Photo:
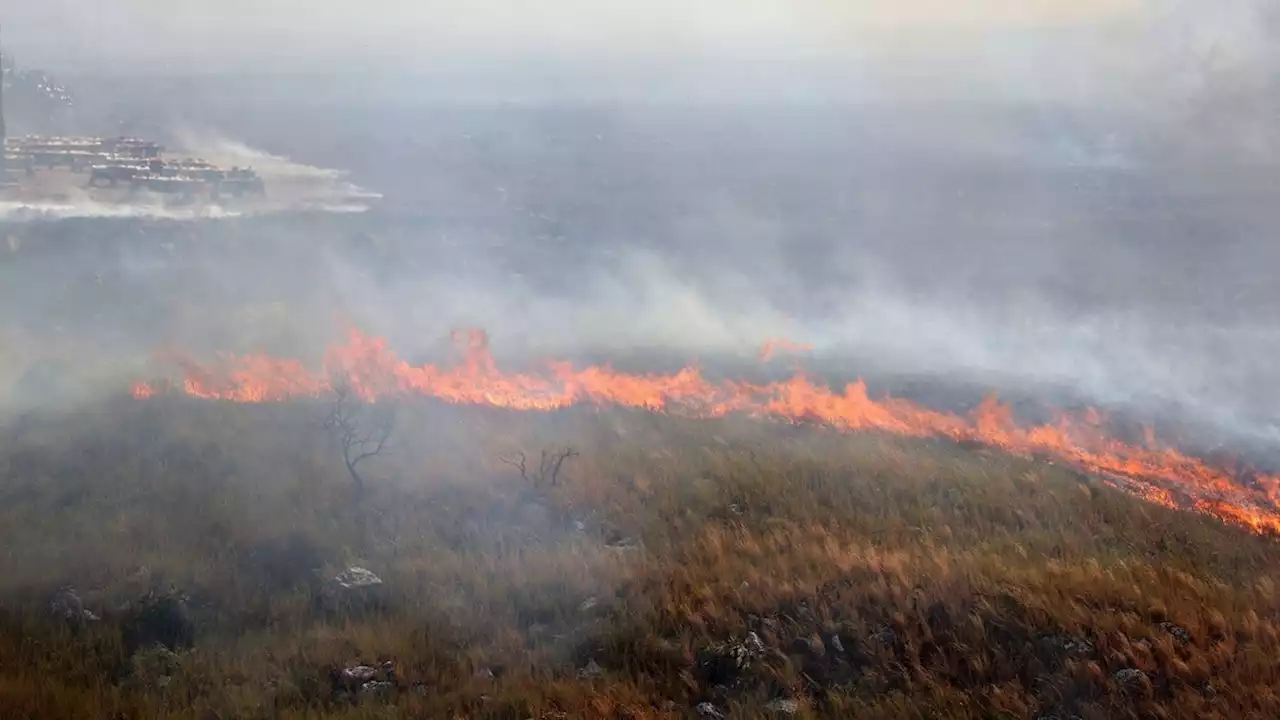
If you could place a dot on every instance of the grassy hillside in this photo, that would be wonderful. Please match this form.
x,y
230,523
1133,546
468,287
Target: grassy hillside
x,y
672,568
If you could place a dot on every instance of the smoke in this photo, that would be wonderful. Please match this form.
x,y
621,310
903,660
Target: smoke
x,y
208,36
1058,194
210,144
1067,200
292,187
84,207
157,207
640,304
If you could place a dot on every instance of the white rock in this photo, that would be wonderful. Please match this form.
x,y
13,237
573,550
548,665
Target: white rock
x,y
376,688
1129,675
67,605
591,671
783,706
357,577
359,674
707,710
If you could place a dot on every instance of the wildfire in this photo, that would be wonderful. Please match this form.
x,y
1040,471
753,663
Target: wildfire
x,y
1152,471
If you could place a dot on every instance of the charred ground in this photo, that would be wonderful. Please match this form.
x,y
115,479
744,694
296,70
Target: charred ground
x,y
763,569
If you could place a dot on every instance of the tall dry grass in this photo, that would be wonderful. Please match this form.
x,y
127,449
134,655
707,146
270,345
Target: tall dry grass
x,y
883,577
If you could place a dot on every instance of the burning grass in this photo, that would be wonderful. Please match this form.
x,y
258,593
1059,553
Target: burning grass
x,y
1150,469
673,562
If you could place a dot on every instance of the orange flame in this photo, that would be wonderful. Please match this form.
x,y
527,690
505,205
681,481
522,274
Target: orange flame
x,y
1159,474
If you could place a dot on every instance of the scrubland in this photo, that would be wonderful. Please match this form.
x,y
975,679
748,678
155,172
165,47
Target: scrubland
x,y
671,568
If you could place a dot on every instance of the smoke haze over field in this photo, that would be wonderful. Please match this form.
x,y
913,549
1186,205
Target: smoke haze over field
x,y
1074,194
857,327
199,32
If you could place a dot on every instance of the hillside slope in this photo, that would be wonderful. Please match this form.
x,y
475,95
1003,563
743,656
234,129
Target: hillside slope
x,y
671,568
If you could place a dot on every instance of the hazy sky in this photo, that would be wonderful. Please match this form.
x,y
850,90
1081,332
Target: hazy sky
x,y
417,32
1149,55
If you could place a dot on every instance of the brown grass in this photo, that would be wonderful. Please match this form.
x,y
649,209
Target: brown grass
x,y
885,578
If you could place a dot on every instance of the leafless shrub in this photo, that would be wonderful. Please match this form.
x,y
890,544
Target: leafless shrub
x,y
362,430
547,473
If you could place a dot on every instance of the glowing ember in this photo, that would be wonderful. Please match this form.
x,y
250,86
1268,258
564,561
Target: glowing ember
x,y
1156,473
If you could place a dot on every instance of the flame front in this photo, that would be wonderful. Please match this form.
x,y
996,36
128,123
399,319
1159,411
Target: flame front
x,y
1156,473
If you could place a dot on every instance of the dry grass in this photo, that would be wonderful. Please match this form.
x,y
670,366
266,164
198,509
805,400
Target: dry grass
x,y
885,578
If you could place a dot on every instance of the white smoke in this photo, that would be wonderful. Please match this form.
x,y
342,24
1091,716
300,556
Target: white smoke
x,y
291,187
281,173
16,211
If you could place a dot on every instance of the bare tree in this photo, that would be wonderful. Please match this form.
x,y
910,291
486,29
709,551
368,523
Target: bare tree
x,y
360,435
547,473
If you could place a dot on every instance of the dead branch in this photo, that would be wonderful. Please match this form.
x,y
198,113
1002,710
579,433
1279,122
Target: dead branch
x,y
549,463
361,436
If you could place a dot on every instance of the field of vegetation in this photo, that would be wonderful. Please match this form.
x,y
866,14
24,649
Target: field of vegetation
x,y
176,558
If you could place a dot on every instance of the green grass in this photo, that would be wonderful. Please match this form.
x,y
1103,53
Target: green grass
x,y
953,579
